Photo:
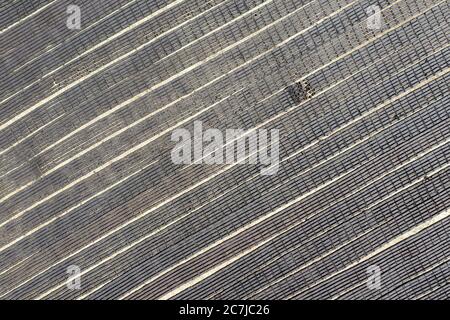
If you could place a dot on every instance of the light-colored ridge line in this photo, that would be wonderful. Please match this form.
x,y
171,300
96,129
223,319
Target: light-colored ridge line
x,y
263,4
30,135
223,170
233,234
84,296
259,220
80,32
40,103
374,38
96,71
27,17
216,79
338,129
350,147
108,163
391,243
159,229
67,211
121,105
343,198
93,72
15,265
156,86
383,199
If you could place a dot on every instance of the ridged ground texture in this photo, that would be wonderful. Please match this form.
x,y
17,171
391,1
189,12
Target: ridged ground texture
x,y
86,176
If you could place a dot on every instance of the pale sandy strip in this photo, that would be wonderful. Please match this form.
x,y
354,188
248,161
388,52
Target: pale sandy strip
x,y
114,61
361,283
197,253
105,165
55,47
253,223
303,149
96,71
117,229
402,94
340,81
109,112
30,135
392,194
372,181
15,265
293,108
362,45
402,237
220,28
176,196
65,212
181,98
139,121
84,296
207,274
315,142
322,138
424,294
224,264
377,108
120,33
16,190
80,32
345,197
26,112
231,235
120,227
27,17
8,245
18,92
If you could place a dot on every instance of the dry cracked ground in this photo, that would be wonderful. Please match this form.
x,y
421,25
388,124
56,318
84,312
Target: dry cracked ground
x,y
92,205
